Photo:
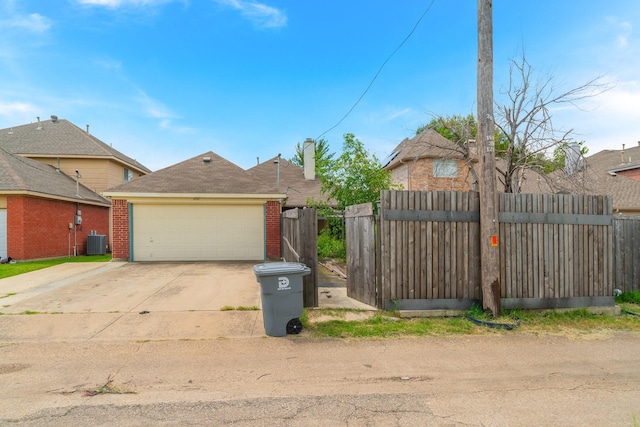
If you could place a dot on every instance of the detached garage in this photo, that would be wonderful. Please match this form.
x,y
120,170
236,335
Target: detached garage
x,y
203,209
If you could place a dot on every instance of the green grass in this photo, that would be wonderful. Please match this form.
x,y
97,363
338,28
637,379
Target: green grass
x,y
9,270
240,308
333,323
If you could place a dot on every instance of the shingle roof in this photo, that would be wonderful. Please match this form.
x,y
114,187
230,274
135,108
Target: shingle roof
x,y
59,138
22,175
427,144
594,178
195,175
292,181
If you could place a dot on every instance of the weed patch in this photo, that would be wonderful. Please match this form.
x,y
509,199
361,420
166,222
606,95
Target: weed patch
x,y
108,388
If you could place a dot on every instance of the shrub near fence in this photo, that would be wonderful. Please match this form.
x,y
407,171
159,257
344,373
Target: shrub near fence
x,y
555,250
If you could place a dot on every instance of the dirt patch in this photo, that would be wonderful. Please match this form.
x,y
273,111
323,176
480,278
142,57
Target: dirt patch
x,y
8,368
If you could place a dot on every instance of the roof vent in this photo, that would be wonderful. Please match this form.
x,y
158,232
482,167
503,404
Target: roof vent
x,y
39,124
54,118
206,159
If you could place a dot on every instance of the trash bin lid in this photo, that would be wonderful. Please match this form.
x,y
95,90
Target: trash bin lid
x,y
276,268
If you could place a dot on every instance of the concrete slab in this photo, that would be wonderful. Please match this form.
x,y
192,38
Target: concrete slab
x,y
87,302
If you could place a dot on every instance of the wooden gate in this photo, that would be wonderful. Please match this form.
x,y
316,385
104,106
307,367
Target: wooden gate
x,y
300,244
627,253
360,224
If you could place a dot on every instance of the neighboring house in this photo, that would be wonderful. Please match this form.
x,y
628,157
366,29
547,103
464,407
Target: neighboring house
x,y
75,152
44,213
202,209
608,172
429,162
65,146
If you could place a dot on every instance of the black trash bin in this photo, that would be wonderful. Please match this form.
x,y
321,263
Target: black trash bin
x,y
281,295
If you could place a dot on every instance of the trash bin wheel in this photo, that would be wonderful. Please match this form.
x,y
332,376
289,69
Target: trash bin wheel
x,y
294,326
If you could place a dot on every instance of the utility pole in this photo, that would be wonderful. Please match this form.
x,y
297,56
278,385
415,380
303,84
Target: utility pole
x,y
489,253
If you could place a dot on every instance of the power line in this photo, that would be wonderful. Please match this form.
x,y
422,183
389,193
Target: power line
x,y
379,70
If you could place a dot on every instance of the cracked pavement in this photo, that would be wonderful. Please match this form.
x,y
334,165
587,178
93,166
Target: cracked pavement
x,y
492,380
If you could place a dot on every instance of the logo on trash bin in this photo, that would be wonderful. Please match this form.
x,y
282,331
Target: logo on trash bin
x,y
283,283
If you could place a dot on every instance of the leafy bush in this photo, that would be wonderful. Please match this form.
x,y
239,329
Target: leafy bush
x,y
331,247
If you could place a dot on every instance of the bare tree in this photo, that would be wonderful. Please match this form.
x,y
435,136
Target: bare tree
x,y
525,121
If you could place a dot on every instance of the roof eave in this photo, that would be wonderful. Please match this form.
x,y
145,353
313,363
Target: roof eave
x,y
29,193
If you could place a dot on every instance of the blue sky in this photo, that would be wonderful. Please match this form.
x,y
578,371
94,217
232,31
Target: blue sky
x,y
165,80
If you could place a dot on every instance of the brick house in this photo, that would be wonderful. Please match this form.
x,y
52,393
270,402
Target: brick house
x,y
429,161
74,152
44,213
63,145
202,209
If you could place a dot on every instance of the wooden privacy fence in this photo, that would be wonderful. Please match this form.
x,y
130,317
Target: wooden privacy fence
x,y
627,253
555,250
300,244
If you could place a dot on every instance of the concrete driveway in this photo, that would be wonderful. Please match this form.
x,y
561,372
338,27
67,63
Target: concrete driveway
x,y
136,301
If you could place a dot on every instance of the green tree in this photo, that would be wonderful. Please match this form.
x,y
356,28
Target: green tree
x,y
455,128
558,159
356,176
323,157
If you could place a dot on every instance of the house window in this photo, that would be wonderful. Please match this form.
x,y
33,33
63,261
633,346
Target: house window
x,y
128,175
445,168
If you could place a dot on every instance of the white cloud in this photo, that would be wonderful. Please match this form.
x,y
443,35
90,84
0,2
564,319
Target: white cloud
x,y
622,30
157,110
608,120
34,22
121,3
262,15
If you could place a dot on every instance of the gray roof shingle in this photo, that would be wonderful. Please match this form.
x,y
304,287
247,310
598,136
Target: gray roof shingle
x,y
59,138
22,175
292,181
195,175
427,144
598,176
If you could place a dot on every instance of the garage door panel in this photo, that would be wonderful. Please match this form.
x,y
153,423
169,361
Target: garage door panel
x,y
198,233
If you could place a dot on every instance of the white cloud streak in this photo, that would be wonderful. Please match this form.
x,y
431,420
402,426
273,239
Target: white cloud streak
x,y
34,23
259,13
121,3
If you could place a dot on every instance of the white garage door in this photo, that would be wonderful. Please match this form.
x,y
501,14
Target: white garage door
x,y
3,233
198,233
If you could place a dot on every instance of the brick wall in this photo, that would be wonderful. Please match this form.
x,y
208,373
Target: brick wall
x,y
421,177
273,229
120,215
631,174
39,228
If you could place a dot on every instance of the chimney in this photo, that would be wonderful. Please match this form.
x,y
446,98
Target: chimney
x,y
309,159
472,146
39,124
622,154
572,158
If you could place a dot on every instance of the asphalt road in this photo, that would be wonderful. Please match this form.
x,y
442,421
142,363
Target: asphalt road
x,y
149,344
493,380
